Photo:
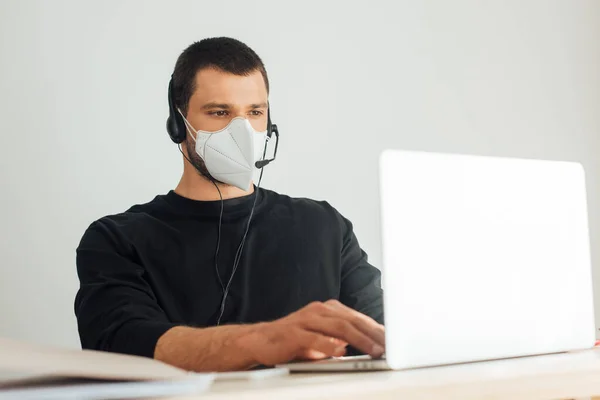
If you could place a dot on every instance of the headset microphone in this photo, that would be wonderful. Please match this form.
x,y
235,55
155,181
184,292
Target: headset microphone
x,y
272,129
262,164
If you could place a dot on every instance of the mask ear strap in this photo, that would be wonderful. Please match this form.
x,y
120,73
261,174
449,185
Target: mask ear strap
x,y
188,125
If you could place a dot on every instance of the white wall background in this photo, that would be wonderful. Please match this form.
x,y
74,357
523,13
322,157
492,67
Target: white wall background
x,y
83,105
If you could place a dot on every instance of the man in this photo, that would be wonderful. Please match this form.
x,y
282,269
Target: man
x,y
218,274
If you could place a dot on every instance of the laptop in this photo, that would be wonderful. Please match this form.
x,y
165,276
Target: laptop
x,y
484,258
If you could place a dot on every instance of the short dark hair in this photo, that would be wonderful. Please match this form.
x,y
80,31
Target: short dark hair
x,y
223,53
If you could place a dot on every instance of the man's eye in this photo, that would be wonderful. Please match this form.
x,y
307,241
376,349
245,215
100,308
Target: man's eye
x,y
220,113
256,113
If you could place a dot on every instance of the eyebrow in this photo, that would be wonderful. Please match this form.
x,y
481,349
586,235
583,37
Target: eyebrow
x,y
259,105
226,106
216,105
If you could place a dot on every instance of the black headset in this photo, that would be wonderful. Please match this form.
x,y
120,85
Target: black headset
x,y
177,130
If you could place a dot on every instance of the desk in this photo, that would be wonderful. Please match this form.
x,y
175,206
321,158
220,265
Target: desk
x,y
558,376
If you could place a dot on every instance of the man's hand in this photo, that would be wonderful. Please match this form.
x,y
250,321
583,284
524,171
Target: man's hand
x,y
317,331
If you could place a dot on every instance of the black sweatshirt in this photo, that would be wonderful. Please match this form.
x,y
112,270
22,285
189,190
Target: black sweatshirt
x,y
152,267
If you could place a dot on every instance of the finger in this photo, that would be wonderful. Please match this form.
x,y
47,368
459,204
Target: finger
x,y
311,355
340,328
339,342
364,323
317,345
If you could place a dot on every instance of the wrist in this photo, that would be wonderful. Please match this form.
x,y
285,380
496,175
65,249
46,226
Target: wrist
x,y
249,341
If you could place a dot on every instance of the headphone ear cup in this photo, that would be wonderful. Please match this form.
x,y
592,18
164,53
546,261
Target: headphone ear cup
x,y
176,128
175,124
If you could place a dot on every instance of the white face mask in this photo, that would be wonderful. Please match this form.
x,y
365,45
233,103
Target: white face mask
x,y
230,154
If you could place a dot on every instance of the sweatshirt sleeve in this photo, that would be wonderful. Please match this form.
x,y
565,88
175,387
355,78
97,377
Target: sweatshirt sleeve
x,y
360,281
115,306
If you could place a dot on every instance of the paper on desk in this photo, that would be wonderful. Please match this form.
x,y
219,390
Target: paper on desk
x,y
19,359
30,371
82,389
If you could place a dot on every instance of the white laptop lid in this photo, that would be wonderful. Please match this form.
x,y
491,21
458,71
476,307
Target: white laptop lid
x,y
484,258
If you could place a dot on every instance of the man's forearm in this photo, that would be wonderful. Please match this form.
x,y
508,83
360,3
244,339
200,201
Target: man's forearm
x,y
206,349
